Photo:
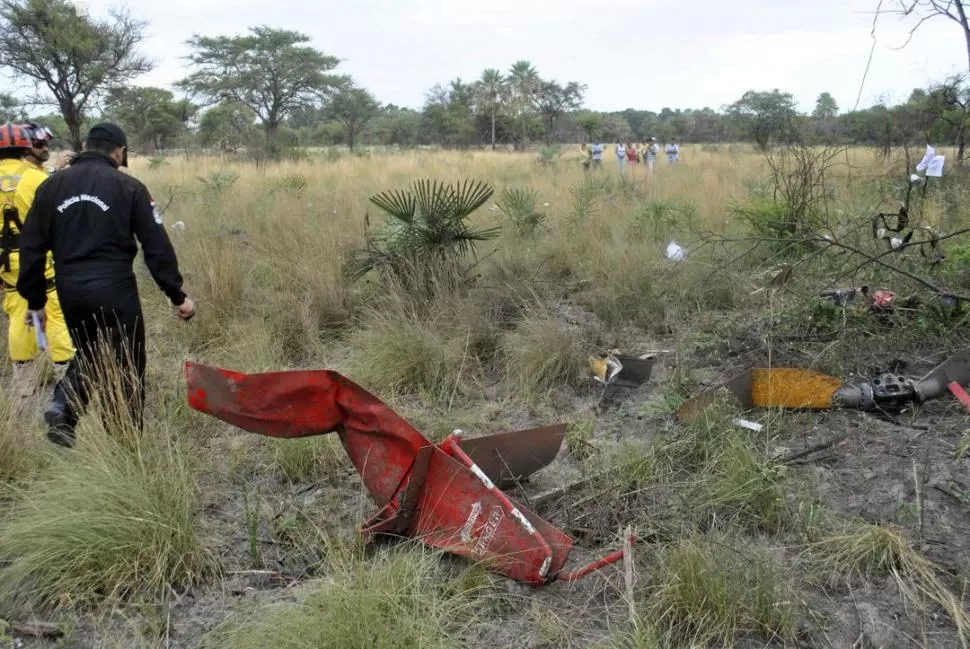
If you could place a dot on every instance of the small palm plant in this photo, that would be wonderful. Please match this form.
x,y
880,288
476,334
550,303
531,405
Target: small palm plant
x,y
422,244
521,207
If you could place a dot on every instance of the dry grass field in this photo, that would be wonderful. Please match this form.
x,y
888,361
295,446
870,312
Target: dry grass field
x,y
197,534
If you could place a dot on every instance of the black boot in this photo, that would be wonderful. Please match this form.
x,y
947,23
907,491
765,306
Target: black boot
x,y
60,420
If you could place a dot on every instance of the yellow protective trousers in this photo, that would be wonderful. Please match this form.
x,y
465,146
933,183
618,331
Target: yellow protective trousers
x,y
22,339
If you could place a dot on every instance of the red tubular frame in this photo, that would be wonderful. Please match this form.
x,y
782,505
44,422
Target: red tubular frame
x,y
602,562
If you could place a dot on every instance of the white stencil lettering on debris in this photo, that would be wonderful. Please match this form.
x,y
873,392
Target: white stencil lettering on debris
x,y
491,526
466,531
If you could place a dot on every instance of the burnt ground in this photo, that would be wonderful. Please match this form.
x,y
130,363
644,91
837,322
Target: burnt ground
x,y
902,473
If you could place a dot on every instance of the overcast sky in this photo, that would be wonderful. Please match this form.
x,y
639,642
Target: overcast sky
x,y
644,54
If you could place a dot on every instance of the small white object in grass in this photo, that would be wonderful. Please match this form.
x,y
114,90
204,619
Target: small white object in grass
x,y
675,252
178,225
545,204
750,425
895,242
915,178
39,331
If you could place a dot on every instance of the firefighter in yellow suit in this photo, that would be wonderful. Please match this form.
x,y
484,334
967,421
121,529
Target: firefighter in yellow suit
x,y
19,180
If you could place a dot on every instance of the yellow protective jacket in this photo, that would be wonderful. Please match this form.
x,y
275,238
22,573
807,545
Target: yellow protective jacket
x,y
19,181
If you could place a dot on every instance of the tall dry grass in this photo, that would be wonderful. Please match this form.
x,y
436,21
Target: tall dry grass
x,y
263,252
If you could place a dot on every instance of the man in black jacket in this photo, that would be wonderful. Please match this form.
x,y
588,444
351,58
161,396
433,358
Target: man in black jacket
x,y
89,216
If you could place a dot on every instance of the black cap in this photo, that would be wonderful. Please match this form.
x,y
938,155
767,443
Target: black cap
x,y
112,133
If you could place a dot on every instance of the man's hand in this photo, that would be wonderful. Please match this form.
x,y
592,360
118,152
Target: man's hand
x,y
187,309
41,317
63,160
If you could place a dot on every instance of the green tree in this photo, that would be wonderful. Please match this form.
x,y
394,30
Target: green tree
x,y
589,124
447,118
227,125
74,57
524,83
397,126
764,116
615,128
552,100
151,116
950,104
491,93
825,107
10,109
353,107
270,71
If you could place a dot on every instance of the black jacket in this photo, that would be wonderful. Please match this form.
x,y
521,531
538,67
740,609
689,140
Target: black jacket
x,y
89,215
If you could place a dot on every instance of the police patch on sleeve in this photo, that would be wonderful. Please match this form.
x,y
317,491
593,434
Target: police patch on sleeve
x,y
155,214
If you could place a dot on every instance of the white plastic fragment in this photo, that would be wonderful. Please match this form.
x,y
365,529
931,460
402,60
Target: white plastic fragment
x,y
750,425
675,252
931,163
925,162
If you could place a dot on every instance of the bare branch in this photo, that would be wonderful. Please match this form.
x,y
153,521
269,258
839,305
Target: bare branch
x,y
896,269
896,251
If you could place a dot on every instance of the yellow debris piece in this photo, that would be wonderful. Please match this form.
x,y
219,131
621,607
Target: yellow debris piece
x,y
792,387
600,367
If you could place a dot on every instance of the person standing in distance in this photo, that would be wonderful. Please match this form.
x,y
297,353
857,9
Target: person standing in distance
x,y
89,215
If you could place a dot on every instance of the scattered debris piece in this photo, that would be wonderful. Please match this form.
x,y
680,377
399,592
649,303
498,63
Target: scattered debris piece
x,y
763,387
675,252
960,394
931,163
750,425
508,458
797,388
842,296
618,370
623,370
882,300
435,493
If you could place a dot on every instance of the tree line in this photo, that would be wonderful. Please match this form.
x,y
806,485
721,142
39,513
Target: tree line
x,y
269,90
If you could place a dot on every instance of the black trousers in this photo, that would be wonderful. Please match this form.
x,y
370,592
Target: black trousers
x,y
109,335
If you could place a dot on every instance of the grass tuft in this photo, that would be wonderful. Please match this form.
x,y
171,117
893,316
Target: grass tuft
x,y
394,599
402,350
706,592
541,353
16,460
865,550
104,523
304,460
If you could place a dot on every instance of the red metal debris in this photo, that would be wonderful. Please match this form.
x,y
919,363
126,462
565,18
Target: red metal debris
x,y
960,394
435,493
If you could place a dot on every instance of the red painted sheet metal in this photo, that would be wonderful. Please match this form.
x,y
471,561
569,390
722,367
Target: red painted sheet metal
x,y
458,514
380,443
434,493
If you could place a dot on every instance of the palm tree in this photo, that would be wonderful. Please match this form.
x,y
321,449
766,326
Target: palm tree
x,y
491,92
524,82
426,236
